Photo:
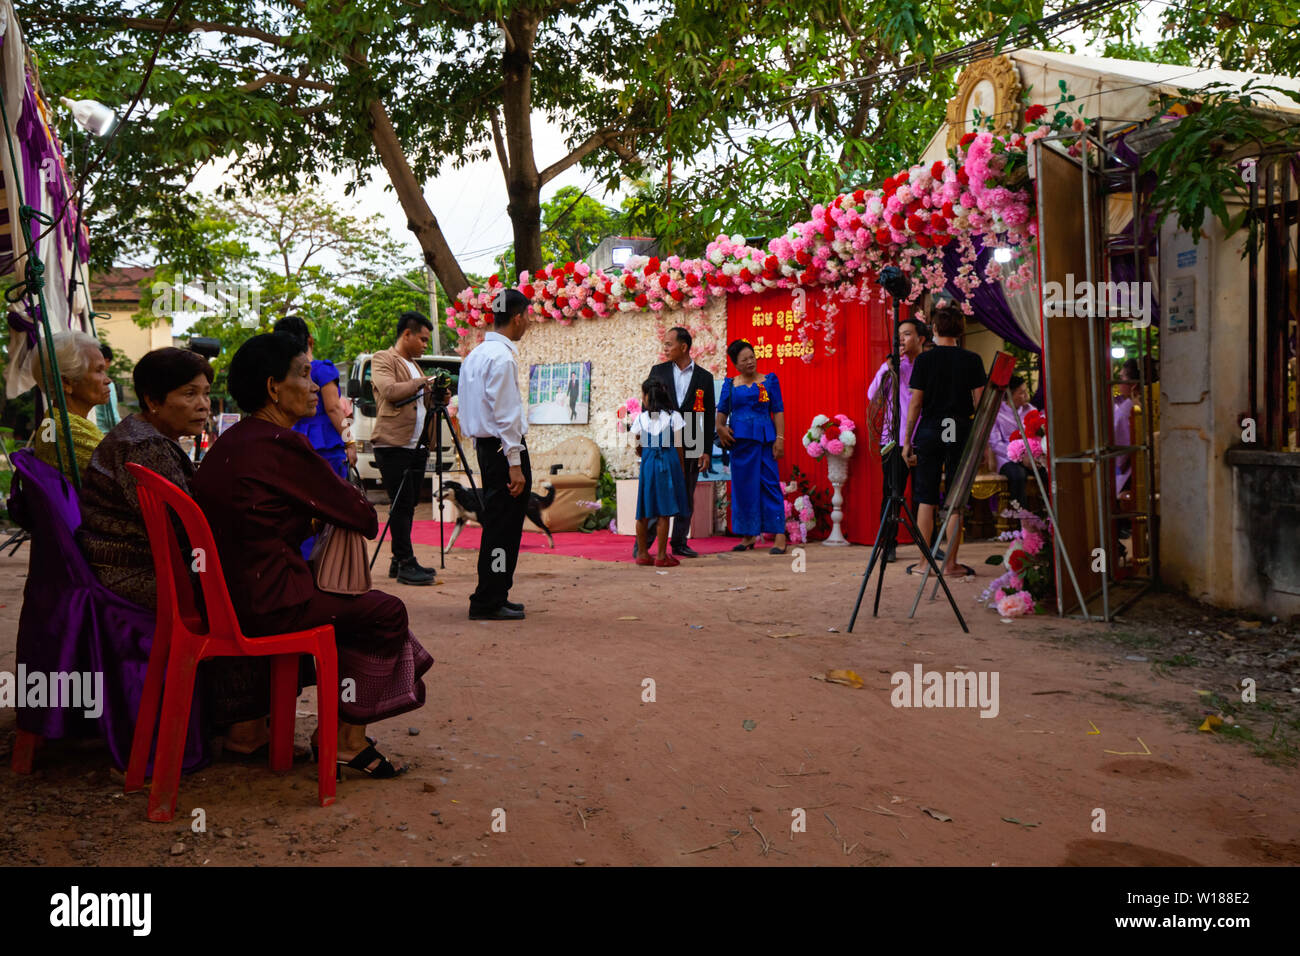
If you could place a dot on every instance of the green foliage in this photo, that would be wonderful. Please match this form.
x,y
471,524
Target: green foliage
x,y
1198,166
572,226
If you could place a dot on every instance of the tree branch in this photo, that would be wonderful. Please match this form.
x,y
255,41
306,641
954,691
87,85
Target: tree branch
x,y
155,25
500,145
293,81
608,138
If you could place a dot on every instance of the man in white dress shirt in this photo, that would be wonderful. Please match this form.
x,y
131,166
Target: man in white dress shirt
x,y
492,413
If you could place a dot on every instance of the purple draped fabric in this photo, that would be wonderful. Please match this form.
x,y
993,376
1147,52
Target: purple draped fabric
x,y
71,623
988,300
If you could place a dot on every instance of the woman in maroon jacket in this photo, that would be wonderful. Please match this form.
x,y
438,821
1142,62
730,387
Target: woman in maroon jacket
x,y
260,486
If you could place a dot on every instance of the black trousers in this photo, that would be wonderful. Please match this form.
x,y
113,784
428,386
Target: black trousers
x,y
1017,476
503,524
896,474
394,463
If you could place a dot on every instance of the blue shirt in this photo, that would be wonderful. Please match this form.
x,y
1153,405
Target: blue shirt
x,y
747,415
317,428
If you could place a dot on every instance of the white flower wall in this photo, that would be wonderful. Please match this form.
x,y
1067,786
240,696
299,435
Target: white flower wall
x,y
621,350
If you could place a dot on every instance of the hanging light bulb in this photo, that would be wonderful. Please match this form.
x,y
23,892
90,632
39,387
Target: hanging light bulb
x,y
93,116
1117,352
1002,254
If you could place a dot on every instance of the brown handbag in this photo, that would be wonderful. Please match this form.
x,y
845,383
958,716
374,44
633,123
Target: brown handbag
x,y
338,559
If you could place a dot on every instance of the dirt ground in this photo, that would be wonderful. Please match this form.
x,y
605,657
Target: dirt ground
x,y
542,727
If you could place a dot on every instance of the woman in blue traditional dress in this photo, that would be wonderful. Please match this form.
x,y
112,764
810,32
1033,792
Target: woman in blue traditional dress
x,y
661,490
323,428
751,422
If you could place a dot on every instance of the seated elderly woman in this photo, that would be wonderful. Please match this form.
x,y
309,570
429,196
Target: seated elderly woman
x,y
173,386
84,372
261,486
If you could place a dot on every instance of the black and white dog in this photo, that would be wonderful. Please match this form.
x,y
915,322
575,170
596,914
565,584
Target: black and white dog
x,y
469,505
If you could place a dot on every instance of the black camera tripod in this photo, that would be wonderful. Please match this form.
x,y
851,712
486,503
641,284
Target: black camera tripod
x,y
437,416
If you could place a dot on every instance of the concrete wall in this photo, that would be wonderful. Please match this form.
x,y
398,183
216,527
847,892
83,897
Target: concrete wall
x,y
621,350
127,337
1211,542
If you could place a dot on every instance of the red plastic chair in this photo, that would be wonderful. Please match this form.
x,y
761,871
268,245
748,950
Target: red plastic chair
x,y
179,646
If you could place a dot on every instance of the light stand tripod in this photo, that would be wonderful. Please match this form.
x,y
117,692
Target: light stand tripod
x,y
438,417
898,286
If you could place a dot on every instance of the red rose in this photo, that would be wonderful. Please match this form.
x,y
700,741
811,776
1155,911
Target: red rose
x,y
746,275
937,169
664,280
937,222
961,176
828,233
838,201
966,140
528,291
897,221
597,296
859,195
494,281
941,239
629,281
902,178
772,262
561,301
677,295
853,222
1034,112
888,186
948,211
541,274
802,258
692,279
830,432
883,236
915,223
652,266
1016,562
642,301
587,313
808,277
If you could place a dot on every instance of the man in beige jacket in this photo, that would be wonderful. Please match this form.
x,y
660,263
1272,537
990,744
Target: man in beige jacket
x,y
404,398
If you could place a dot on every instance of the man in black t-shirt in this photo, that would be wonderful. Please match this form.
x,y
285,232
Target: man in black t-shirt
x,y
947,382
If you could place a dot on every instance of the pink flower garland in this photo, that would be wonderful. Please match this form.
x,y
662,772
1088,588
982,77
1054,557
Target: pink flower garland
x,y
907,222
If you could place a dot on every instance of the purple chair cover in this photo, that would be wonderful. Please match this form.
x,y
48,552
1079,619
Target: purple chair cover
x,y
72,623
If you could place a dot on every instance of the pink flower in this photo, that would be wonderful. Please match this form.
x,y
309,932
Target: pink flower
x,y
815,449
1013,605
835,447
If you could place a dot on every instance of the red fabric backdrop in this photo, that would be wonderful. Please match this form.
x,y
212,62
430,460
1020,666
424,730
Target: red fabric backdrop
x,y
828,385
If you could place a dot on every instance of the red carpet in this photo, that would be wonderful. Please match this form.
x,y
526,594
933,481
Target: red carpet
x,y
596,546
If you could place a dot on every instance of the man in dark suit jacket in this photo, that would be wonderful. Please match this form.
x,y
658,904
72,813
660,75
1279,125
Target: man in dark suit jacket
x,y
691,389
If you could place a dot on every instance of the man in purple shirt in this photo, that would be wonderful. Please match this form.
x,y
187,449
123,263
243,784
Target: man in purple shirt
x,y
1004,426
911,335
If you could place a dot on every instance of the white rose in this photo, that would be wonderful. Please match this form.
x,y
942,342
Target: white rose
x,y
737,240
849,439
819,421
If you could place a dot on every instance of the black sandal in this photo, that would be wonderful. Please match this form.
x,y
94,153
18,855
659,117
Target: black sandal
x,y
362,761
744,547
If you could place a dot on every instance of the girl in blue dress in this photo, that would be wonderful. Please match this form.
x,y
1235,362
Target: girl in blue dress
x,y
661,490
751,422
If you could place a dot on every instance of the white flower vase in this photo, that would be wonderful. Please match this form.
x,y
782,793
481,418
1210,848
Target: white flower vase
x,y
837,469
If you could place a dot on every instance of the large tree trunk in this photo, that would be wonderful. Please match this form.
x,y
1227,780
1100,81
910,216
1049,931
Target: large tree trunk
x,y
523,184
419,217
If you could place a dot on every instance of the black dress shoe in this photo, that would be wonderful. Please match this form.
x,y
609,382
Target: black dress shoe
x,y
502,613
685,551
411,573
514,606
395,565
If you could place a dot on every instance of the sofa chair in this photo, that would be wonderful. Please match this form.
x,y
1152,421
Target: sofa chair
x,y
575,481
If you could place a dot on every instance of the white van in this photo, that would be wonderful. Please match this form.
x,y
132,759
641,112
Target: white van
x,y
365,408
